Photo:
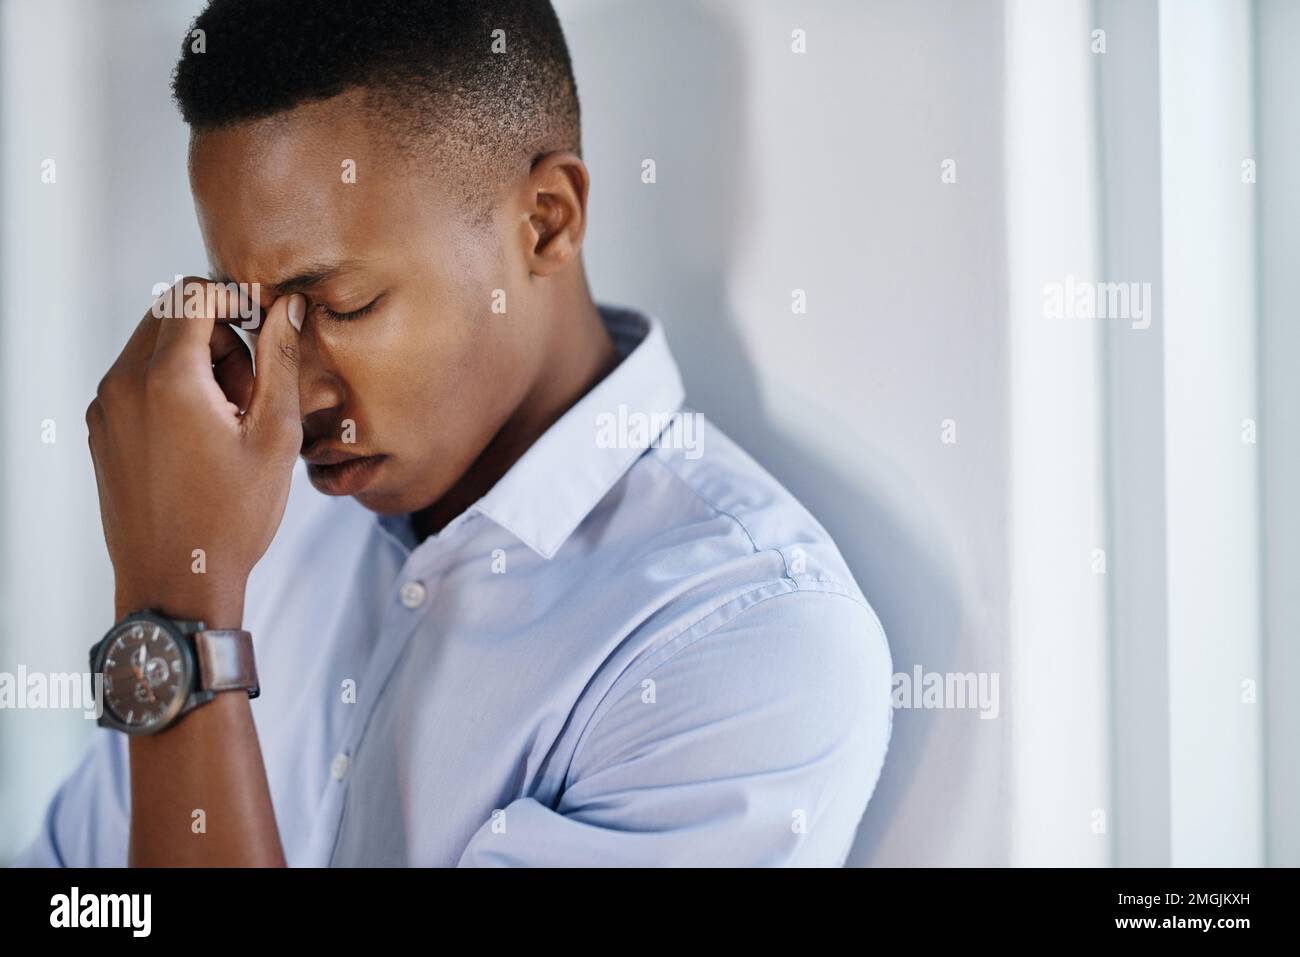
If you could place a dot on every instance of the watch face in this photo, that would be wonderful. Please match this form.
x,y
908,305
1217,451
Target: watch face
x,y
146,674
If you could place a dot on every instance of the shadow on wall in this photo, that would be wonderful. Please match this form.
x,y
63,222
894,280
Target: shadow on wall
x,y
683,72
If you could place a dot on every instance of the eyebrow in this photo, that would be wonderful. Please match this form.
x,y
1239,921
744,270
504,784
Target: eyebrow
x,y
315,274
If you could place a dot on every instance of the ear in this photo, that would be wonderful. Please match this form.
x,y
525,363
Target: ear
x,y
555,208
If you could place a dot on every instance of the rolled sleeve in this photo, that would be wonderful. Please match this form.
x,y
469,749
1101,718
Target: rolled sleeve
x,y
758,743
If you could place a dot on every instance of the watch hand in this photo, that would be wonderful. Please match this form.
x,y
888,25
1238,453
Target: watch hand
x,y
138,668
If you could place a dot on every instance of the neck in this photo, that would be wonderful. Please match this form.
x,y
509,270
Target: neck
x,y
581,354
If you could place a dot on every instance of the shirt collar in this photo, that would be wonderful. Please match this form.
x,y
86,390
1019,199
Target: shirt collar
x,y
556,483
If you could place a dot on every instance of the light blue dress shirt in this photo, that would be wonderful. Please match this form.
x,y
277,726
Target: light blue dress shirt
x,y
637,649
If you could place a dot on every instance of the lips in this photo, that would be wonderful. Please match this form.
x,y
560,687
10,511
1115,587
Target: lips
x,y
336,471
318,453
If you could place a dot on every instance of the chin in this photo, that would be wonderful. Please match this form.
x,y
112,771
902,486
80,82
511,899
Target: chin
x,y
386,500
383,502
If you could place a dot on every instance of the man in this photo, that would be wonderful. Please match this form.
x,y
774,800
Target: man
x,y
543,614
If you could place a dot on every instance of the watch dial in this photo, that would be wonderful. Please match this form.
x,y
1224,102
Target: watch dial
x,y
145,677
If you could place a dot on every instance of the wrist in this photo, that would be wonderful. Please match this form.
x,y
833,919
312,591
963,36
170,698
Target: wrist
x,y
216,604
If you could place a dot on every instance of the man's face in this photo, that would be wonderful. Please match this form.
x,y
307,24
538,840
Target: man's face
x,y
426,375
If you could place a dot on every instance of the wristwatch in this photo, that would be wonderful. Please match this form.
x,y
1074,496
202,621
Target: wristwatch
x,y
157,669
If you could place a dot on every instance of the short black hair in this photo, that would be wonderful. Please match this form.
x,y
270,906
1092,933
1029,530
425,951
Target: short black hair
x,y
437,72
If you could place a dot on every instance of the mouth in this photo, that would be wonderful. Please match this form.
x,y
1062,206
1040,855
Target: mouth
x,y
336,472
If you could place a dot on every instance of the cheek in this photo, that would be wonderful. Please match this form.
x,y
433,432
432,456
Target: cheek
x,y
419,380
404,377
444,380
460,394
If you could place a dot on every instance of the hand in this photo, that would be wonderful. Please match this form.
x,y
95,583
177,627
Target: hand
x,y
178,466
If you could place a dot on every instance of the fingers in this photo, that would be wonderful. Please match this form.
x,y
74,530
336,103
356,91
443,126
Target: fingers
x,y
185,345
203,301
184,335
140,346
232,365
274,407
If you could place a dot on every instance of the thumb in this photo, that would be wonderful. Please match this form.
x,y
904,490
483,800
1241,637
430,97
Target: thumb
x,y
274,405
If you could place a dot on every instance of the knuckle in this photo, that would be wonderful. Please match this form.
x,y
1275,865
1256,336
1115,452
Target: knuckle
x,y
111,387
160,380
184,295
191,285
287,353
94,423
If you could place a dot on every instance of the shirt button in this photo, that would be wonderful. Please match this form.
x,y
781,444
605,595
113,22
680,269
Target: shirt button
x,y
413,594
339,767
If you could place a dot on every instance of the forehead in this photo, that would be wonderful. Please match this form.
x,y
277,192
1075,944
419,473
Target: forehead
x,y
322,181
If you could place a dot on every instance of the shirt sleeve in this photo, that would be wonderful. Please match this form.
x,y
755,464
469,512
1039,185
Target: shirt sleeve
x,y
87,822
756,744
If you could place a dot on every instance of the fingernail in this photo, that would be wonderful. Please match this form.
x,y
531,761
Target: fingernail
x,y
297,308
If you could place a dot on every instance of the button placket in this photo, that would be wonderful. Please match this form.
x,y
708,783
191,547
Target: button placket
x,y
398,626
339,767
413,593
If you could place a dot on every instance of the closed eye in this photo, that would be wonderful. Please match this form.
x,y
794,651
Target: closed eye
x,y
330,314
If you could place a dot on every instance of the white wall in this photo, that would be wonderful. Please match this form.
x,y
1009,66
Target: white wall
x,y
1278,143
1211,389
778,171
1060,747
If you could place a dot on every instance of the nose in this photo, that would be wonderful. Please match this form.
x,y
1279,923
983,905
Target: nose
x,y
321,393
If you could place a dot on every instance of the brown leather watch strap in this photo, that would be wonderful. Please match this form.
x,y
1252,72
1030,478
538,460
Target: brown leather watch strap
x,y
226,660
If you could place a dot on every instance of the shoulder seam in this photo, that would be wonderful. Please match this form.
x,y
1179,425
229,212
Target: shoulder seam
x,y
608,703
722,511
